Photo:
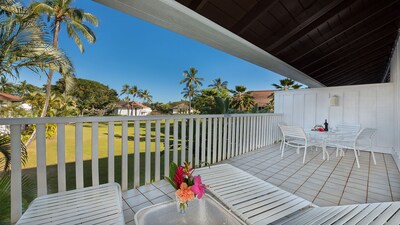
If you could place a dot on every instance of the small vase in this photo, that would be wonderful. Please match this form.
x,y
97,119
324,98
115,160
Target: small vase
x,y
180,207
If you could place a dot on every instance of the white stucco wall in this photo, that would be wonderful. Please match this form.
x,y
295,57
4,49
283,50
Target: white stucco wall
x,y
368,105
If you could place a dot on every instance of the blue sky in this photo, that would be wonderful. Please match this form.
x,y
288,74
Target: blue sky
x,y
133,51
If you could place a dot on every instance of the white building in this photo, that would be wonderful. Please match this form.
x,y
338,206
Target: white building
x,y
132,109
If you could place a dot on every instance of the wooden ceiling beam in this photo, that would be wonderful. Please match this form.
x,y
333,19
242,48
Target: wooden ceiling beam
x,y
373,10
369,34
361,62
285,35
196,5
346,56
356,79
372,64
252,15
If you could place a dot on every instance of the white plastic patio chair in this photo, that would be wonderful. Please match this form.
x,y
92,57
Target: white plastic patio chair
x,y
362,141
296,137
343,131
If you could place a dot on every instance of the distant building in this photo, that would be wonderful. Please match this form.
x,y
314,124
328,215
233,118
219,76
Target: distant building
x,y
262,98
7,99
182,108
132,109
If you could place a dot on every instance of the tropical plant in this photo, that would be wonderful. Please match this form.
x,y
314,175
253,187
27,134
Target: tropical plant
x,y
125,90
286,84
3,84
189,93
222,105
5,178
23,88
241,100
192,84
62,12
24,43
218,84
145,95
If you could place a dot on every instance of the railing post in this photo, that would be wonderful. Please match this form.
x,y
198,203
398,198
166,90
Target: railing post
x,y
157,153
61,158
136,146
225,137
16,173
148,153
203,140
79,155
197,147
124,156
190,149
111,164
209,131
183,141
95,154
166,147
214,149
41,173
219,139
175,153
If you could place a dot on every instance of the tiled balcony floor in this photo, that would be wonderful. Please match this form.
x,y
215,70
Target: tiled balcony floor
x,y
325,183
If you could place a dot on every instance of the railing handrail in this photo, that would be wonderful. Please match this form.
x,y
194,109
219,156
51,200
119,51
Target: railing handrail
x,y
83,119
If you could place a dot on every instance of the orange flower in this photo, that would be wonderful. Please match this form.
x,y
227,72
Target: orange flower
x,y
184,193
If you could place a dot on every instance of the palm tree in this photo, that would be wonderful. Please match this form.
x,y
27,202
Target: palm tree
x,y
286,84
135,92
23,43
218,84
74,19
145,95
125,90
242,99
23,88
190,78
4,84
193,83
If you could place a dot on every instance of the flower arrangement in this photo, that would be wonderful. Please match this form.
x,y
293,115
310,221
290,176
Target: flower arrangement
x,y
187,186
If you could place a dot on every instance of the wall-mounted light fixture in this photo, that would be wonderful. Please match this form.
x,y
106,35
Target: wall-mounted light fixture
x,y
334,100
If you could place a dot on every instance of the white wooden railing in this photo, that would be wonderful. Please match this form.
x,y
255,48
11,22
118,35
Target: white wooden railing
x,y
209,138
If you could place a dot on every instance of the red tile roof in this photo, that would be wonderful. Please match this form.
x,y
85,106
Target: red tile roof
x,y
262,97
133,104
11,98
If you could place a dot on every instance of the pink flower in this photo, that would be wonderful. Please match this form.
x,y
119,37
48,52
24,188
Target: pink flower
x,y
179,176
198,188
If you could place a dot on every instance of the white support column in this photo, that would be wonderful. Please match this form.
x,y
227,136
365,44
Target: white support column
x,y
41,172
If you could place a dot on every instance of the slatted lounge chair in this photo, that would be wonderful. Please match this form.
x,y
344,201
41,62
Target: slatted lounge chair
x,y
258,202
93,205
374,213
252,199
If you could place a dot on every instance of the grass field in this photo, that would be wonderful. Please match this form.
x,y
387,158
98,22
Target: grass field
x,y
51,155
51,144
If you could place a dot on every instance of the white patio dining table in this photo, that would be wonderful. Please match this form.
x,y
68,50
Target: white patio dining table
x,y
323,137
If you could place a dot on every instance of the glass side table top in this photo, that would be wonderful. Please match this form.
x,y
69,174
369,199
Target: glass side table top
x,y
206,211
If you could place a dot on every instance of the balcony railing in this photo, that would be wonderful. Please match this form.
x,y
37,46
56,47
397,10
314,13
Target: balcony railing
x,y
195,138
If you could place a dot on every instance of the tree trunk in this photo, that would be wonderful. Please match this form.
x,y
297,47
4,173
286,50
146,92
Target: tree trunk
x,y
49,79
190,105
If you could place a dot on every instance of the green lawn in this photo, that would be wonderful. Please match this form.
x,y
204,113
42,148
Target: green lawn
x,y
51,144
51,156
